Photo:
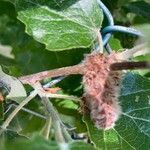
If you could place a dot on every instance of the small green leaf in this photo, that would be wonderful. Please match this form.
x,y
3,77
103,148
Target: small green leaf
x,y
115,44
61,25
13,86
69,113
132,129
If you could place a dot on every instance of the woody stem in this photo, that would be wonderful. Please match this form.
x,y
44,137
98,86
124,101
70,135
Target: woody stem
x,y
30,79
80,69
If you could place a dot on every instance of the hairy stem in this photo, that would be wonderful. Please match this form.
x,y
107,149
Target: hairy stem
x,y
13,114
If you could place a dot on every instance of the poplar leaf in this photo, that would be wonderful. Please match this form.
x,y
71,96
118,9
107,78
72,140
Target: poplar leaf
x,y
61,25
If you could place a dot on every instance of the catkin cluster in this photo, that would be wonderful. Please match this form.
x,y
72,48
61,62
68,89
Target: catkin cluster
x,y
102,89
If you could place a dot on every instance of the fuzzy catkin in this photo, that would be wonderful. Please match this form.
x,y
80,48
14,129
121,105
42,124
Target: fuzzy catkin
x,y
102,89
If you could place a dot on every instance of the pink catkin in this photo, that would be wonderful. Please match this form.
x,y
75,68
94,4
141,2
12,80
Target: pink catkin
x,y
101,90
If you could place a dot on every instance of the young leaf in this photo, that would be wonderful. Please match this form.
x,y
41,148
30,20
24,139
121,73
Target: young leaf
x,y
61,25
132,129
115,44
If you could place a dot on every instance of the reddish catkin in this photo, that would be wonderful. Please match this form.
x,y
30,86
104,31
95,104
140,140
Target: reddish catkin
x,y
101,89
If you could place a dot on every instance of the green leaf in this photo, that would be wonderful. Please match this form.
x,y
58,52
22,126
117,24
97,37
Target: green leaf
x,y
39,143
69,113
139,8
30,55
115,44
132,129
61,25
13,86
101,139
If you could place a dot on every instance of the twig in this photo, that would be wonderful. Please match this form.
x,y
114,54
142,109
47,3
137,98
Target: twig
x,y
62,96
31,79
13,114
56,121
100,41
26,110
125,55
130,65
46,130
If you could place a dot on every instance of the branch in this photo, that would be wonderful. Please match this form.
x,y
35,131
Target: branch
x,y
125,55
31,79
100,41
56,121
26,110
80,68
63,96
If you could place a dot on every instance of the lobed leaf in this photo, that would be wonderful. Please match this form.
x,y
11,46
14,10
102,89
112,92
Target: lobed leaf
x,y
61,25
